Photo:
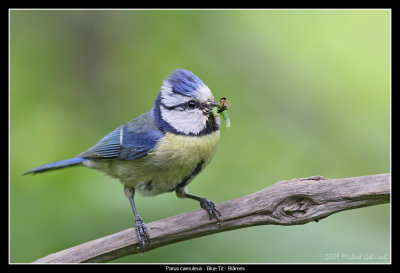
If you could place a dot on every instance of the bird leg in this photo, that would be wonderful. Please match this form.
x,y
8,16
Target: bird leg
x,y
141,230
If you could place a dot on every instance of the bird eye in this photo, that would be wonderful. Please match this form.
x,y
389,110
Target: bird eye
x,y
191,104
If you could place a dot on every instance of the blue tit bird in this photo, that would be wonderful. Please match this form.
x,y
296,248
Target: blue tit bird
x,y
161,150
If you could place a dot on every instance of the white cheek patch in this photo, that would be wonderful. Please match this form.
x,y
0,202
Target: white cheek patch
x,y
193,121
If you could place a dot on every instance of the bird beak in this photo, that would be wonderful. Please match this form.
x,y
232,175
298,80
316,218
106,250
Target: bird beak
x,y
208,107
213,104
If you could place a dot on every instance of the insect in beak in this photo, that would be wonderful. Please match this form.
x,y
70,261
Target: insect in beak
x,y
221,108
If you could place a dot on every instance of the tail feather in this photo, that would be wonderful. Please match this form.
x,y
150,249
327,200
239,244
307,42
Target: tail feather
x,y
56,165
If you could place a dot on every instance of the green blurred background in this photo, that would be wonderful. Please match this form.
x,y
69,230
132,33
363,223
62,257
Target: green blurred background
x,y
310,93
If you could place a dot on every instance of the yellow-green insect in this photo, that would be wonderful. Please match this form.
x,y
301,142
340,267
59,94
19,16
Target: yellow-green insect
x,y
221,108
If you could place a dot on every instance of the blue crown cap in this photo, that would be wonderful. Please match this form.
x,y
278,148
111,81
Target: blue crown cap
x,y
184,82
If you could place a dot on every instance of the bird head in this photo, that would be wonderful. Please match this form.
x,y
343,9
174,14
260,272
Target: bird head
x,y
184,105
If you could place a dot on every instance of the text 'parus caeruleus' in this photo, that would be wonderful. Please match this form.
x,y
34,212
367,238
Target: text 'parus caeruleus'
x,y
163,149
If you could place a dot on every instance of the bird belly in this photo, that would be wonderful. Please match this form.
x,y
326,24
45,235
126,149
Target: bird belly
x,y
172,164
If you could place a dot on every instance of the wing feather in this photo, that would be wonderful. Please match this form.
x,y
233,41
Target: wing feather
x,y
130,141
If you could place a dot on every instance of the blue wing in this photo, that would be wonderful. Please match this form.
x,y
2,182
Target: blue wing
x,y
130,141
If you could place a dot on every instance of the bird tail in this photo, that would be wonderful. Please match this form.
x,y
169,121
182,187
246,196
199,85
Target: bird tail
x,y
57,165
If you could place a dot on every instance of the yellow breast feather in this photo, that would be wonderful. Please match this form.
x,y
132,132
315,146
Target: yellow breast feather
x,y
186,150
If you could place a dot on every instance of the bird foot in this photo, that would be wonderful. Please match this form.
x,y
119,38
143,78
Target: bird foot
x,y
142,234
211,209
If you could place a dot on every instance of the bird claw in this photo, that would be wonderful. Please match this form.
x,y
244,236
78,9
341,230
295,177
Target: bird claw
x,y
211,209
142,234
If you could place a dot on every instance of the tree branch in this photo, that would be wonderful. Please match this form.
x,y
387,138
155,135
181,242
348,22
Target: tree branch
x,y
290,202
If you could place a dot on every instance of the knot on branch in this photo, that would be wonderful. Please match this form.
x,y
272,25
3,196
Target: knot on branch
x,y
296,206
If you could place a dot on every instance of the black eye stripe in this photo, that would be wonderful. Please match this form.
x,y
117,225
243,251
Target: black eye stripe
x,y
182,105
191,104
